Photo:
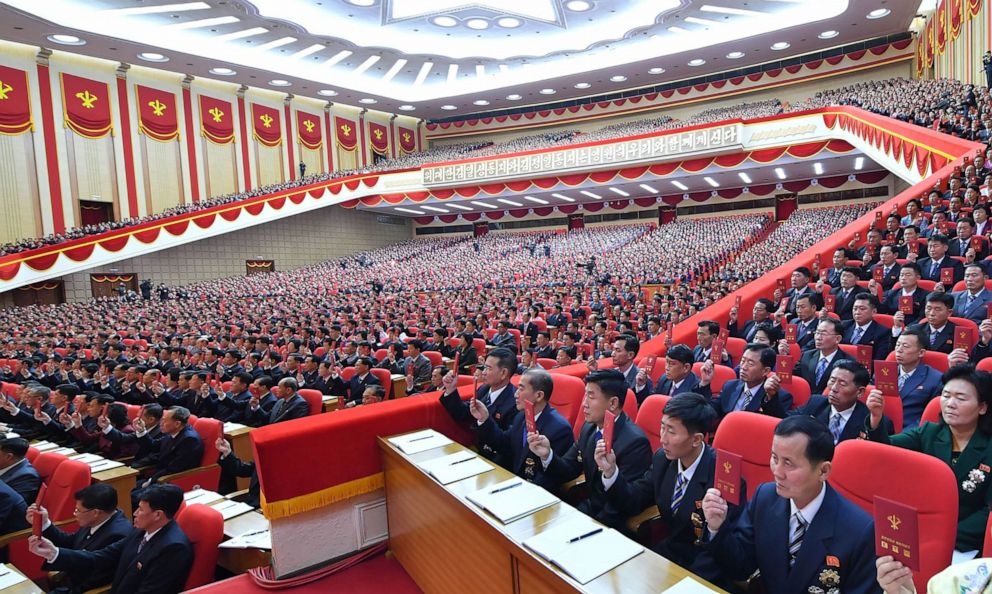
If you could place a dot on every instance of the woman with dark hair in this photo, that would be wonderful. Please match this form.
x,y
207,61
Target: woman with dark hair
x,y
467,357
395,360
117,415
962,438
914,215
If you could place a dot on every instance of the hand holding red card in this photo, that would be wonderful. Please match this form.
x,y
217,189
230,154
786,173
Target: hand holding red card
x,y
887,377
906,304
791,333
106,407
716,352
529,417
781,283
737,303
897,532
878,273
964,338
455,366
947,276
724,335
864,355
728,476
783,367
36,524
609,422
829,302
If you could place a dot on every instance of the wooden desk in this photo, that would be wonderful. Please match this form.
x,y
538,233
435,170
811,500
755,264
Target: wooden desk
x,y
241,446
241,560
399,386
25,587
448,544
330,403
123,479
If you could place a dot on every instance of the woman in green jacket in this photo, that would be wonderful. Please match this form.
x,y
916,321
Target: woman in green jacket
x,y
961,439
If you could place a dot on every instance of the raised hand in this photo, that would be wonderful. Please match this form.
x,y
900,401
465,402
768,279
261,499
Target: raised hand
x,y
714,509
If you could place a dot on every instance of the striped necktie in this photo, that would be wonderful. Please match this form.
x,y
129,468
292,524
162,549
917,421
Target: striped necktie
x,y
858,333
835,427
744,400
821,368
678,493
796,542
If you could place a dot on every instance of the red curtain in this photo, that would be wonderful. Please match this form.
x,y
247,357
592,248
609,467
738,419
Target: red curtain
x,y
480,229
666,214
785,205
576,221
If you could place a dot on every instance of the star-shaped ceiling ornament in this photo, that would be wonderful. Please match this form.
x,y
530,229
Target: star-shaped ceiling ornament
x,y
543,11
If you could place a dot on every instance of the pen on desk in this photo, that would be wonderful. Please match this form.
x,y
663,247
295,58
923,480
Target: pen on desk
x,y
463,460
586,535
254,533
421,438
494,491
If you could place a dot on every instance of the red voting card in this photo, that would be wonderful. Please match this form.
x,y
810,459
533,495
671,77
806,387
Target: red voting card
x,y
36,523
724,335
857,237
728,476
37,406
716,352
906,304
783,367
609,422
529,416
947,276
737,302
409,368
964,338
913,247
864,355
976,242
823,275
41,494
829,301
988,308
897,532
887,377
781,283
455,367
946,226
878,273
649,363
791,333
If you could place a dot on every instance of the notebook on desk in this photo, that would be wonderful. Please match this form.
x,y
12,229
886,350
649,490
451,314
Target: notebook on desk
x,y
420,441
512,499
455,467
583,548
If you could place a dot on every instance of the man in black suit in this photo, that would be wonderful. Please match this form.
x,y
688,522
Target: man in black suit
x,y
846,292
862,329
678,376
557,318
231,405
936,328
100,525
16,470
155,558
815,366
503,338
800,286
805,321
352,390
202,399
939,259
625,349
760,313
707,331
495,392
888,266
286,406
960,245
681,471
177,448
151,417
909,279
840,409
840,263
20,416
231,466
513,444
605,392
12,510
543,349
528,330
757,390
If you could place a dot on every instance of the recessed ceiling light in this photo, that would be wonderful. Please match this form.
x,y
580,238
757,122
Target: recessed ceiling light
x,y
508,202
744,177
548,91
711,182
697,62
563,197
278,82
619,191
578,5
509,22
818,168
327,92
152,57
618,78
410,210
590,194
66,39
780,173
459,206
514,97
483,204
435,209
406,108
828,34
537,200
480,102
648,188
222,71
367,100
449,107
859,163
444,21
582,85
477,24
879,13
361,2
656,70
781,45
735,55
680,185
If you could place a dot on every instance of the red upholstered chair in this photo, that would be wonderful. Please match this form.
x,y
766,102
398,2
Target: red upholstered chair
x,y
649,418
721,375
918,480
434,357
748,435
630,404
932,358
9,389
204,527
347,373
133,411
800,390
207,474
546,363
314,400
657,371
32,454
386,379
46,463
736,346
985,364
464,380
566,397
931,414
320,351
380,354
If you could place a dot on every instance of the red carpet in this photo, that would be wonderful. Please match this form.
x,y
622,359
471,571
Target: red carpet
x,y
380,574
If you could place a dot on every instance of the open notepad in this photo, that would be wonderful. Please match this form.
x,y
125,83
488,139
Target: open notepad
x,y
421,441
229,509
688,586
512,499
9,578
254,539
455,467
583,549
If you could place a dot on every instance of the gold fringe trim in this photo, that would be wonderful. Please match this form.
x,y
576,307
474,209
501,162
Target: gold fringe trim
x,y
311,501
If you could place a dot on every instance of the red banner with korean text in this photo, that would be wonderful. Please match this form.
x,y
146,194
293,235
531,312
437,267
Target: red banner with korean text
x,y
346,131
408,140
15,102
308,130
86,106
265,126
379,138
157,114
216,120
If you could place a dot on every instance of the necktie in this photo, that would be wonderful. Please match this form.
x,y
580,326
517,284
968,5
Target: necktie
x,y
745,399
821,368
933,271
858,333
141,545
797,538
277,409
678,493
903,376
971,299
835,427
933,337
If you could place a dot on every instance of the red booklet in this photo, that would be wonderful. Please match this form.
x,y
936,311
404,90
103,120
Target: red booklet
x,y
409,368
716,352
878,273
41,494
609,422
36,523
529,416
783,367
728,476
106,407
913,248
887,377
864,355
906,304
988,307
964,338
781,283
649,363
455,366
829,302
737,303
791,333
947,276
976,242
724,335
897,532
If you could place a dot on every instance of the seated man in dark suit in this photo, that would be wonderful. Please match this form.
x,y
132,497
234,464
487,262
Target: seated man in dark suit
x,y
862,329
761,312
155,558
495,392
503,338
605,392
543,349
815,366
840,409
232,405
972,302
936,328
16,470
177,448
231,466
888,266
800,286
512,444
681,471
798,528
805,321
678,376
101,524
625,348
288,405
938,259
20,416
353,389
918,382
846,292
758,389
707,332
909,279
12,510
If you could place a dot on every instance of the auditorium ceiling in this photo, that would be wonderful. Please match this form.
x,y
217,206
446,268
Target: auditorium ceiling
x,y
442,58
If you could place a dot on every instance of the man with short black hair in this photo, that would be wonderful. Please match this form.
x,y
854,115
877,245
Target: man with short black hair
x,y
177,448
758,389
863,330
678,376
840,409
707,332
353,389
233,404
935,328
815,365
16,470
972,302
286,406
495,392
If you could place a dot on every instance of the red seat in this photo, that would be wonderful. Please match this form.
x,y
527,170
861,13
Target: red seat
x,y
434,357
546,363
934,359
649,418
315,400
204,527
748,435
657,371
32,455
46,463
800,390
918,480
386,379
630,404
931,414
566,397
133,411
10,390
464,380
380,354
207,474
735,347
721,375
985,364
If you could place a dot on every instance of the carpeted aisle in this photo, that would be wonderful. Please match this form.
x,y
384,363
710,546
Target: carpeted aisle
x,y
380,574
